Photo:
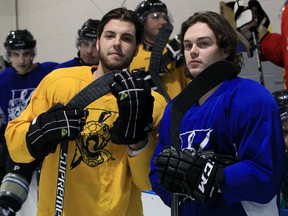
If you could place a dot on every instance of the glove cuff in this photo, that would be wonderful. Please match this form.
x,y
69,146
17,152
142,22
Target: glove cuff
x,y
33,139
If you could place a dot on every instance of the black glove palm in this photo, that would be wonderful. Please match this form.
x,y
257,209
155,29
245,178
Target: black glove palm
x,y
135,105
50,128
187,172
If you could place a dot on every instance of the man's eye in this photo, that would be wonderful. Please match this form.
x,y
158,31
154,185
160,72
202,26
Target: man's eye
x,y
187,46
109,36
202,44
85,44
127,39
158,16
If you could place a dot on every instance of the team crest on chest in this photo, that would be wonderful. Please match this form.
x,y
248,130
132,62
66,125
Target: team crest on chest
x,y
91,145
198,138
18,102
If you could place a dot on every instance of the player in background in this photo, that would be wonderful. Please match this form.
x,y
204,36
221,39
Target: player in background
x,y
252,19
86,45
154,14
17,84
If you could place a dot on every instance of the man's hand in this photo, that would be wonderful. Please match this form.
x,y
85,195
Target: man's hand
x,y
48,129
135,105
190,173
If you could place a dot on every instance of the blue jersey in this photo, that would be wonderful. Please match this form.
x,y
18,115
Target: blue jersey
x,y
16,90
241,119
71,63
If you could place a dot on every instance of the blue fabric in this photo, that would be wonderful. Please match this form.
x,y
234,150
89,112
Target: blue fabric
x,y
16,90
71,63
241,118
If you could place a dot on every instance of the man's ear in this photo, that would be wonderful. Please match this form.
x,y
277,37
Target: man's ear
x,y
97,44
225,54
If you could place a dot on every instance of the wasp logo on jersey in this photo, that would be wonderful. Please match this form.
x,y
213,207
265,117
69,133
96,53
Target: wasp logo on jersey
x,y
91,145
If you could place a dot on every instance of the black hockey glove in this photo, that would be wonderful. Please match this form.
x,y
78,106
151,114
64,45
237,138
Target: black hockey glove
x,y
261,18
50,128
247,19
135,105
174,47
187,172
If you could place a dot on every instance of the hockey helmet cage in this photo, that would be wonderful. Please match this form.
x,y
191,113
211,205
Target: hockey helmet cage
x,y
147,6
19,39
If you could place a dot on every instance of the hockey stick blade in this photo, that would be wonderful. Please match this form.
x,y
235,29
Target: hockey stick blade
x,y
156,56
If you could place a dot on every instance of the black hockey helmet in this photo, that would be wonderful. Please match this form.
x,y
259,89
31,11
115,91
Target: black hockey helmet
x,y
147,6
19,39
88,31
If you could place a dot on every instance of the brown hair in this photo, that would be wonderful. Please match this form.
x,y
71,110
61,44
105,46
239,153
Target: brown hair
x,y
225,35
125,15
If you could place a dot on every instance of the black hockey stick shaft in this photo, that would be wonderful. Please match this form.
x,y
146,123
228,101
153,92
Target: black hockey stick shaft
x,y
259,64
90,93
205,81
156,56
256,45
154,69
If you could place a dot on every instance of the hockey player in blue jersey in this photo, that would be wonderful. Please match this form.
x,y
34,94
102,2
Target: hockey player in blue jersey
x,y
17,84
86,44
230,156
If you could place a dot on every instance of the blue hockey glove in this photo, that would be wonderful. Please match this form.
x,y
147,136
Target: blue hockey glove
x,y
50,128
135,105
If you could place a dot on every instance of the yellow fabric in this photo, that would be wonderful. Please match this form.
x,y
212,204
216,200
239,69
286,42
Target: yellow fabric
x,y
227,13
173,81
101,179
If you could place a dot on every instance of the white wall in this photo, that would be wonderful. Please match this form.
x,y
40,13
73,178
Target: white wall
x,y
7,20
54,23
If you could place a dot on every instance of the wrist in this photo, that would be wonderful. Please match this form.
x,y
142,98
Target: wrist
x,y
140,145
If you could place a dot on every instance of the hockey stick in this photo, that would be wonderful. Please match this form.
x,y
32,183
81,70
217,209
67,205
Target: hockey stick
x,y
255,43
154,69
90,93
156,56
201,84
259,64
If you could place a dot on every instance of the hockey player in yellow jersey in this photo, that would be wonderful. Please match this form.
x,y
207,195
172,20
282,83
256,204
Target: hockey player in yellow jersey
x,y
106,167
154,14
